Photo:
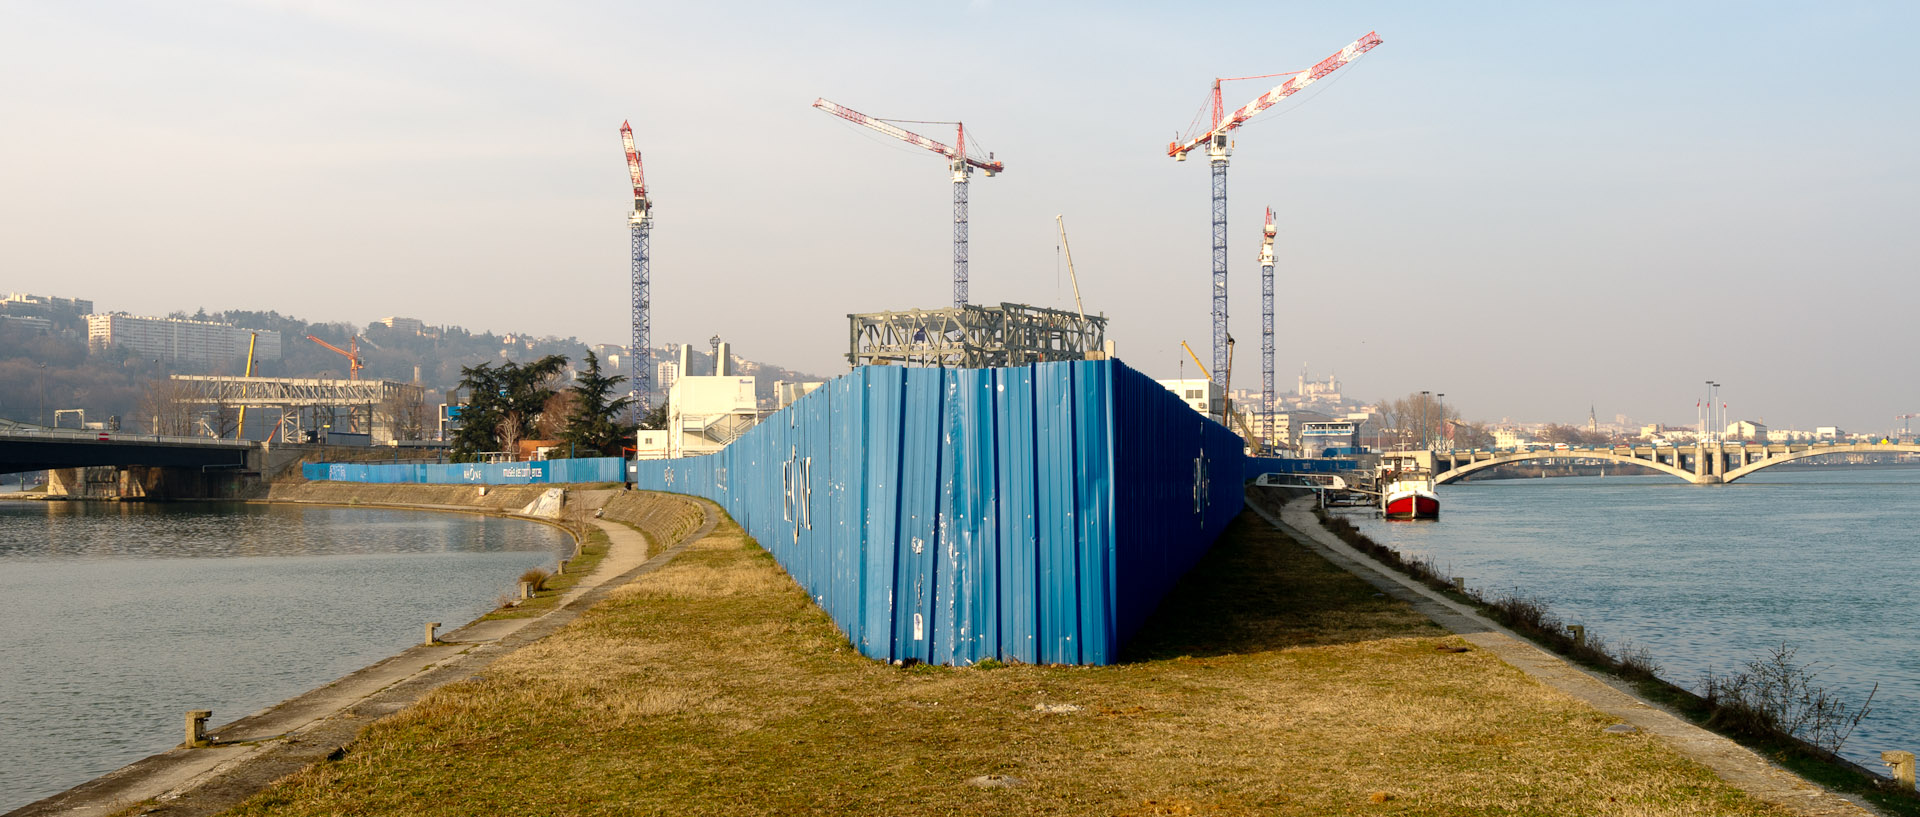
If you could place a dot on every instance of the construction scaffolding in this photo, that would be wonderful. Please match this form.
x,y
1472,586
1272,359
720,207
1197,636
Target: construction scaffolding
x,y
311,409
974,337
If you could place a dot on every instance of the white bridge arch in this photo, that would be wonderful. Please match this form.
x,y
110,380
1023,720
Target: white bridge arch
x,y
1709,464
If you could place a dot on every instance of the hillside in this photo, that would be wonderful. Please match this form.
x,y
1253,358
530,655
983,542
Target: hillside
x,y
44,370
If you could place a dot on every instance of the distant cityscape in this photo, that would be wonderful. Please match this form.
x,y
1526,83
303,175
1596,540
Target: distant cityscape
x,y
217,346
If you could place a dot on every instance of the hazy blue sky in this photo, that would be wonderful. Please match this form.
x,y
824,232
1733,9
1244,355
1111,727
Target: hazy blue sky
x,y
1530,207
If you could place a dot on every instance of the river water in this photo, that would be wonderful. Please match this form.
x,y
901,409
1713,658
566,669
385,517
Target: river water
x,y
1710,577
120,617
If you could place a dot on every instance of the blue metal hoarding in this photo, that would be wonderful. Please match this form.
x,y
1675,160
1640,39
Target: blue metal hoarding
x,y
581,470
1033,514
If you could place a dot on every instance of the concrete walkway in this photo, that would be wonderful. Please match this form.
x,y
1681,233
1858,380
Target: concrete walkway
x,y
1734,763
252,752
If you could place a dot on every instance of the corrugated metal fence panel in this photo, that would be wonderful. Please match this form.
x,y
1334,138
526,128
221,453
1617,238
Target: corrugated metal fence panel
x,y
1034,514
1177,484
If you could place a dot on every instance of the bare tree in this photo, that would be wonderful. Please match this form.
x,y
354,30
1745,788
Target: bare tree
x,y
167,407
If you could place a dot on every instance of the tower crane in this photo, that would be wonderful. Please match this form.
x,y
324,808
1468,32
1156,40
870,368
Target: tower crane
x,y
640,225
1266,325
1219,148
354,363
958,161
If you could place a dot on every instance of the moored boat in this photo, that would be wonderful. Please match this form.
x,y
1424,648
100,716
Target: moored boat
x,y
1410,499
1406,490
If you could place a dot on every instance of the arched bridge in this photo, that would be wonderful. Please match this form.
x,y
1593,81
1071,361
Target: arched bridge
x,y
1704,464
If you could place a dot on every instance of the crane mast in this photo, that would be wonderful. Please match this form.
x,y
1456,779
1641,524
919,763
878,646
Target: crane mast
x,y
1266,329
1220,147
640,229
958,162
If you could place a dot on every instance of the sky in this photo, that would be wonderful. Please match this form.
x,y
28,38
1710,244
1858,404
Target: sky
x,y
1536,209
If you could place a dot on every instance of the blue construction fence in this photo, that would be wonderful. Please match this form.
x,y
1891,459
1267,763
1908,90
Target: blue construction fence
x,y
595,469
1034,514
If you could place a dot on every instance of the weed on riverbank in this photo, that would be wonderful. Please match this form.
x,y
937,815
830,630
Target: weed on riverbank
x,y
1269,682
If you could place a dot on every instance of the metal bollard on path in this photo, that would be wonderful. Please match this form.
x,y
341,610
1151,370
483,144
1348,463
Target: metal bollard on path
x,y
197,729
1902,763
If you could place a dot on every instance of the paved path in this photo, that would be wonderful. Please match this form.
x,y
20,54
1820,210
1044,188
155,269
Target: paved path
x,y
256,750
1734,763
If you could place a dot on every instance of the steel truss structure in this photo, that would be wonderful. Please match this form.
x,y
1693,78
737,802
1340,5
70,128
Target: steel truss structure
x,y
974,337
308,404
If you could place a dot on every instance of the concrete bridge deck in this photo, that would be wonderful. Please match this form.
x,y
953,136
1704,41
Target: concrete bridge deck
x,y
1700,464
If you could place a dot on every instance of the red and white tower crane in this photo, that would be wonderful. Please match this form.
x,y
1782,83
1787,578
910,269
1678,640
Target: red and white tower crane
x,y
1219,148
958,161
640,226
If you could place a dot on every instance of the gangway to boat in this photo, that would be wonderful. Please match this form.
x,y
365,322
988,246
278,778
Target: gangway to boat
x,y
1332,490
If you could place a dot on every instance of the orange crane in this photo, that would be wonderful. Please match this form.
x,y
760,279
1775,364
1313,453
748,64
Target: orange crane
x,y
354,363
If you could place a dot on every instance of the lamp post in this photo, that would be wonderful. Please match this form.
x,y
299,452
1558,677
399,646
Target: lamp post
x,y
1423,419
1442,396
43,394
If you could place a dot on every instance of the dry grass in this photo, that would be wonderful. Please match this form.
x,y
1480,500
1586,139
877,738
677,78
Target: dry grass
x,y
1270,683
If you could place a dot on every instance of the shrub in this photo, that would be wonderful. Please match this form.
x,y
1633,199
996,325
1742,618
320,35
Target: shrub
x,y
536,577
1776,696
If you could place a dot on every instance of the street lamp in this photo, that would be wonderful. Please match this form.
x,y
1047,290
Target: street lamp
x,y
43,394
1423,419
1443,420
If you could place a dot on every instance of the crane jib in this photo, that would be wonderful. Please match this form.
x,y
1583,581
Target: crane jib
x,y
1285,89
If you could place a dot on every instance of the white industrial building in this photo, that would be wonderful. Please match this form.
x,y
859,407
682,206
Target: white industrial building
x,y
1205,396
704,412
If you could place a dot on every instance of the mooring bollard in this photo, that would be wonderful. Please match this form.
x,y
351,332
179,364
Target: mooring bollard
x,y
526,590
432,638
562,569
1460,583
197,729
1902,763
1579,632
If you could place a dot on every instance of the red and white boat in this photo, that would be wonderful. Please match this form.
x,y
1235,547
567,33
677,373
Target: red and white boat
x,y
1407,493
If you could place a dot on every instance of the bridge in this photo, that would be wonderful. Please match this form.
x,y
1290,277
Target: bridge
x,y
1700,464
124,465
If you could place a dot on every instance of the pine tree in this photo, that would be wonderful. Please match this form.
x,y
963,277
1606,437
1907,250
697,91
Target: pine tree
x,y
593,427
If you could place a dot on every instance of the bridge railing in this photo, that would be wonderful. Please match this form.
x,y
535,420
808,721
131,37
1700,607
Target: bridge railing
x,y
117,437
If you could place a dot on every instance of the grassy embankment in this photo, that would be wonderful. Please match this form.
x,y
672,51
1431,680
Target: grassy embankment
x,y
1533,619
1270,682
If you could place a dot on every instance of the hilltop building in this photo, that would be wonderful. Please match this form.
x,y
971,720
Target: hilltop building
x,y
411,326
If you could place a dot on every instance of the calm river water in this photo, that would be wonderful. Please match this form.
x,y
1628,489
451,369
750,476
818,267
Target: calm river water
x,y
1709,577
119,617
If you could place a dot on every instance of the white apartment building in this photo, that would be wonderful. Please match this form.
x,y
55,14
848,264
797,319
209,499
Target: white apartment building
x,y
180,341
